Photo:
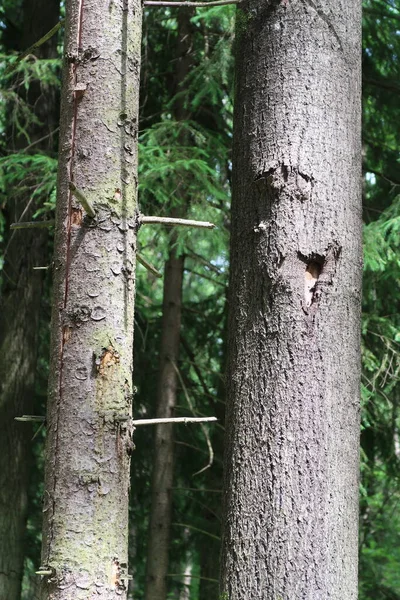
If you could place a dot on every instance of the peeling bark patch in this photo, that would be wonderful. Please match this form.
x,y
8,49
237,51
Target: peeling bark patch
x,y
106,361
66,334
118,574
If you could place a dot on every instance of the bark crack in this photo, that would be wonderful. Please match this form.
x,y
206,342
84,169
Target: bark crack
x,y
327,21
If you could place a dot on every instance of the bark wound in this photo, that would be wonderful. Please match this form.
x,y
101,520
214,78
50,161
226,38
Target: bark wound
x,y
312,274
76,216
66,334
109,358
116,575
319,273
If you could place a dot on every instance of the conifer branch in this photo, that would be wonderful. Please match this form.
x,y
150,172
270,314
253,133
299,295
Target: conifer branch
x,y
171,222
35,46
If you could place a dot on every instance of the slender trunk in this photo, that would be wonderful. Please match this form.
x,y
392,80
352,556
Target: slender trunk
x,y
19,316
292,432
163,462
89,443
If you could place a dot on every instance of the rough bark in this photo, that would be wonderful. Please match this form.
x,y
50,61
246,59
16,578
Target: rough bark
x,y
163,461
89,443
291,483
20,305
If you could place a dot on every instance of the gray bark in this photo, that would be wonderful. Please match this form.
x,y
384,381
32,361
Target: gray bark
x,y
85,503
20,306
292,433
163,461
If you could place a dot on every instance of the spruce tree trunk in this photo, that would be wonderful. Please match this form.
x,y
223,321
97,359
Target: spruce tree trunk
x,y
20,304
89,442
292,436
163,461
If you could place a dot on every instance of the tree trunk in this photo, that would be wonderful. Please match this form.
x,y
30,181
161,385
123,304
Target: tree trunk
x,y
292,433
90,388
163,461
19,315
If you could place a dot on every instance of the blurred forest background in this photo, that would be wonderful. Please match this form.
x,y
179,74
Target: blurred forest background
x,y
185,170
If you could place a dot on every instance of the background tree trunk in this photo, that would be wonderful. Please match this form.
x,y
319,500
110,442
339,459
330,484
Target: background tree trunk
x,y
21,297
292,438
163,461
90,387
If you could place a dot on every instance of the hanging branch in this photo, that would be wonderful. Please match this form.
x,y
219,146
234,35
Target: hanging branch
x,y
170,221
190,4
206,434
148,265
35,46
32,224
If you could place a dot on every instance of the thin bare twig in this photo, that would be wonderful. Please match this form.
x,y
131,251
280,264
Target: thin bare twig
x,y
215,537
185,420
31,418
147,265
32,224
189,574
171,222
206,490
190,4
